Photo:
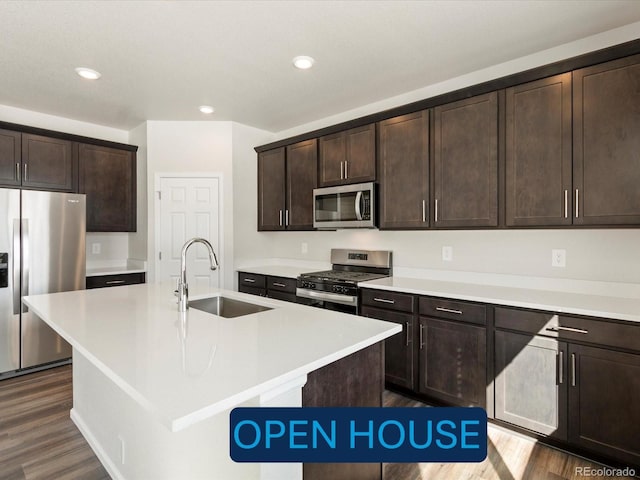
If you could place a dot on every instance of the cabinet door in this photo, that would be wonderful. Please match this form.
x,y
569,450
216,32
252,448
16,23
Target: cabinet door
x,y
108,178
606,103
10,158
538,153
604,402
531,382
398,350
453,361
333,153
302,178
271,189
47,164
403,156
465,163
360,163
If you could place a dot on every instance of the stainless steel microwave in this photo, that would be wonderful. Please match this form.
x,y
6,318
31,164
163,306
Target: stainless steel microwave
x,y
346,206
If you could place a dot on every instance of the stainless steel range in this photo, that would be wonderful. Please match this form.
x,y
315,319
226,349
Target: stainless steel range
x,y
337,289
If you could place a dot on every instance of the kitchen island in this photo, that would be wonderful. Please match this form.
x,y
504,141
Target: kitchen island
x,y
153,387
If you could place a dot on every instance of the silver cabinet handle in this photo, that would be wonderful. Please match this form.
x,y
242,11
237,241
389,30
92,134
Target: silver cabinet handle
x,y
424,211
566,203
341,170
560,367
114,282
421,336
25,172
573,369
16,266
436,211
449,310
25,259
286,218
276,284
17,172
577,204
407,336
346,175
567,329
384,300
249,280
280,217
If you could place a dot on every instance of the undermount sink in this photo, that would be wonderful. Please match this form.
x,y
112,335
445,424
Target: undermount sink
x,y
226,307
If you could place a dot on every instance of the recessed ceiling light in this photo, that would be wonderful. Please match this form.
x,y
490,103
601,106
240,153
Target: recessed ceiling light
x,y
88,73
206,109
303,62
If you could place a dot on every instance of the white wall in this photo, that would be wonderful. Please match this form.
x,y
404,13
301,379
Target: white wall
x,y
606,255
138,240
249,244
182,147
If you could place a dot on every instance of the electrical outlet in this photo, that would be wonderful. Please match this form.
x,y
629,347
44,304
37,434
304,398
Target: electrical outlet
x,y
96,248
304,247
558,258
447,254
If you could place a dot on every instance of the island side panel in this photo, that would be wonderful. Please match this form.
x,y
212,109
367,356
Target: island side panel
x,y
353,381
133,444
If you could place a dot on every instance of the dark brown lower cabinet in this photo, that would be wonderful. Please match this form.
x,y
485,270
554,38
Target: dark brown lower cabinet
x,y
530,382
398,350
453,365
604,402
280,288
353,381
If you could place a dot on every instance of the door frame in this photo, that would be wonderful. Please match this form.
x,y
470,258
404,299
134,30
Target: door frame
x,y
156,192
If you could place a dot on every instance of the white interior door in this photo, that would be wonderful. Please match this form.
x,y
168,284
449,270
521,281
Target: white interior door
x,y
189,207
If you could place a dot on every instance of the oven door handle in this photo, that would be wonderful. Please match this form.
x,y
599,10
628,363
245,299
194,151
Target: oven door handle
x,y
328,297
358,201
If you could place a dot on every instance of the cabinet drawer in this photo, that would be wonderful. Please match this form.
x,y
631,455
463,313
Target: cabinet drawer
x,y
285,296
251,280
281,284
566,327
261,292
115,280
454,310
392,300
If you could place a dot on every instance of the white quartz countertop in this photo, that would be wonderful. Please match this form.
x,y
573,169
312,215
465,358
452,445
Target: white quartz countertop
x,y
279,270
619,308
96,272
135,336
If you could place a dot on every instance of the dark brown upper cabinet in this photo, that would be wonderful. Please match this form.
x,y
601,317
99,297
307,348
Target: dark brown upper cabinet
x,y
538,153
403,166
108,177
10,158
348,156
36,162
286,179
465,163
302,178
271,189
606,169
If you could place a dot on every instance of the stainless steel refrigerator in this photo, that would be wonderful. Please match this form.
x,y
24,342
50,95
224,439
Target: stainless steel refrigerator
x,y
42,250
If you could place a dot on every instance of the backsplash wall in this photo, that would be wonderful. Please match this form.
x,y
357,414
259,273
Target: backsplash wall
x,y
611,255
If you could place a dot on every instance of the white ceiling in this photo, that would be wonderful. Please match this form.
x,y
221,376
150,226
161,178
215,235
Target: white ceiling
x,y
160,60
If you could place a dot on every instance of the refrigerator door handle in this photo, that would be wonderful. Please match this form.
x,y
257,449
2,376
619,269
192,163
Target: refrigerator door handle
x,y
25,260
16,266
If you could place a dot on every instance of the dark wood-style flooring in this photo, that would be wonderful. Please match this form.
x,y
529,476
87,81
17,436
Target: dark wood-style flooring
x,y
38,441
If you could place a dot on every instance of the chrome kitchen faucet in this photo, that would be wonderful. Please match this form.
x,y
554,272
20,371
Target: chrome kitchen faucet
x,y
182,292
